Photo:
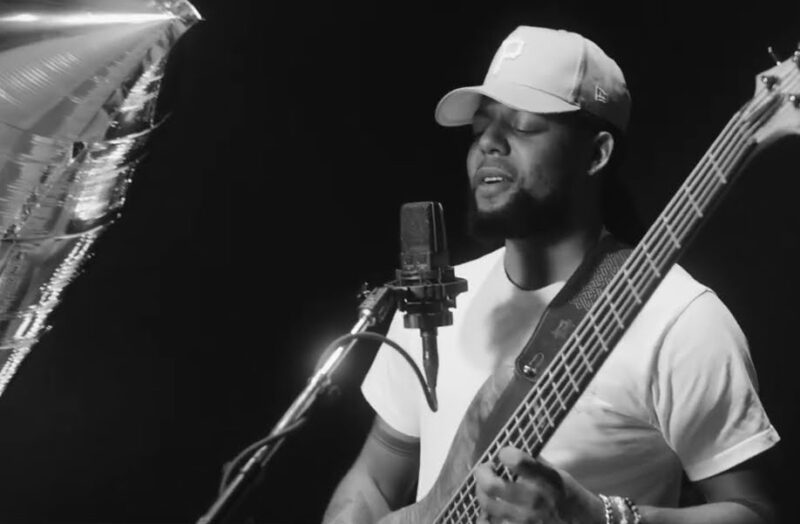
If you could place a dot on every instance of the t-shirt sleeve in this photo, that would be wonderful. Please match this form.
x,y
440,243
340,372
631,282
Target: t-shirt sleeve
x,y
706,391
390,386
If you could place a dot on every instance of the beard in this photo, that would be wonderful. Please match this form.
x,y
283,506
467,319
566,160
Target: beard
x,y
522,216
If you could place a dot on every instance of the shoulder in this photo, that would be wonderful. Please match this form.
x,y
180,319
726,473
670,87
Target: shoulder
x,y
678,293
679,285
699,326
683,314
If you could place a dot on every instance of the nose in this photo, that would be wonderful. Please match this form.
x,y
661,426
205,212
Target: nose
x,y
493,140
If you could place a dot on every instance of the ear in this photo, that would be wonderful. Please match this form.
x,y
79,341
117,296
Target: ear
x,y
603,146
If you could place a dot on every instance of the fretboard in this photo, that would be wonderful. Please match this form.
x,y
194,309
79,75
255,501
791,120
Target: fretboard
x,y
570,371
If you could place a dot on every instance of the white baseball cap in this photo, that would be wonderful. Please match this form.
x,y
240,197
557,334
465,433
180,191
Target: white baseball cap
x,y
545,70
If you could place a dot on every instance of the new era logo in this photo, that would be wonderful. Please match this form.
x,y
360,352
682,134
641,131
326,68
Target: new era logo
x,y
600,95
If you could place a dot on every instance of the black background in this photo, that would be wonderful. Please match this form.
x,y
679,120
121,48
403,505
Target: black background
x,y
273,191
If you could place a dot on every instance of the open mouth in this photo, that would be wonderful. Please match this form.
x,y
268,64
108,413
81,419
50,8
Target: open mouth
x,y
491,182
492,176
494,179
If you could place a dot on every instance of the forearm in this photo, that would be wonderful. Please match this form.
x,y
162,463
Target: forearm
x,y
711,513
357,500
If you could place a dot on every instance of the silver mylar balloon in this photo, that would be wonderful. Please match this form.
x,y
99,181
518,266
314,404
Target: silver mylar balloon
x,y
78,87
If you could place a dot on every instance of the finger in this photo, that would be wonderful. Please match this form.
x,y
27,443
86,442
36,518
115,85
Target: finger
x,y
496,496
528,468
489,488
566,478
499,510
539,498
487,483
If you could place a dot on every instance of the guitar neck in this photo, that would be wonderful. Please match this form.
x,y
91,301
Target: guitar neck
x,y
566,377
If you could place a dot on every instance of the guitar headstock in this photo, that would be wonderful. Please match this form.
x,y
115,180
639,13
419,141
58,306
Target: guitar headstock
x,y
774,110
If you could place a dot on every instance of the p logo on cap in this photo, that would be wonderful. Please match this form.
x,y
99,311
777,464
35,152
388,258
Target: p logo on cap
x,y
511,49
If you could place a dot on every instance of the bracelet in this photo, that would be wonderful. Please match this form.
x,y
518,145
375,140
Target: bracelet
x,y
637,517
608,508
623,509
626,511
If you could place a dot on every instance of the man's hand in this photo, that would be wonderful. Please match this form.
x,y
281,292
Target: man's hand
x,y
541,494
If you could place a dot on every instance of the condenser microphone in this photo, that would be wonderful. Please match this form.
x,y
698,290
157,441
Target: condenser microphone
x,y
426,283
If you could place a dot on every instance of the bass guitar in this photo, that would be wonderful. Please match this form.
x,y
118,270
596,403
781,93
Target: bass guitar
x,y
773,112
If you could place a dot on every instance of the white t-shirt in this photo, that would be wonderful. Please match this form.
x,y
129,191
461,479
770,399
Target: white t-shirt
x,y
677,393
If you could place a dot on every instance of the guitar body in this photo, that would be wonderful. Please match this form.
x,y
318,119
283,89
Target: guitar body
x,y
471,438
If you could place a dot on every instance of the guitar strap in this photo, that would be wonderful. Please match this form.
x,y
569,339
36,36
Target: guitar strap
x,y
556,324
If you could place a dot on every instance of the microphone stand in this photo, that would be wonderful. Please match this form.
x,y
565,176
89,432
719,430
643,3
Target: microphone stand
x,y
374,308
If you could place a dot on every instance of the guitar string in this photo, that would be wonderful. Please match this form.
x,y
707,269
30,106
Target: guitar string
x,y
705,182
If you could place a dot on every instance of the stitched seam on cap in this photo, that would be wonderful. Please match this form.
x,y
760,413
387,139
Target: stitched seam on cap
x,y
579,73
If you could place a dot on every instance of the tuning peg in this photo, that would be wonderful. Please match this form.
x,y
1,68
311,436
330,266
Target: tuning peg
x,y
363,291
772,55
796,57
795,100
769,81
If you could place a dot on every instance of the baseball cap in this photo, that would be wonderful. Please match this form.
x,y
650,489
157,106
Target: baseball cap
x,y
544,70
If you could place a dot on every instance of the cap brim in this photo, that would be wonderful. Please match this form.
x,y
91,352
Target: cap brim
x,y
458,107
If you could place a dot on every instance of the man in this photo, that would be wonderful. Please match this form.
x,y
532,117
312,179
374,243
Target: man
x,y
677,396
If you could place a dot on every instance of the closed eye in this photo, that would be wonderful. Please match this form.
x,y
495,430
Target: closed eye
x,y
529,130
528,123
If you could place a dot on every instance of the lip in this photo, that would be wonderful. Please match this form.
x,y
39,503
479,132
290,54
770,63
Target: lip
x,y
491,171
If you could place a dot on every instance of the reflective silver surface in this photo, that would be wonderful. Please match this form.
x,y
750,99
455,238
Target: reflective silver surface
x,y
78,89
